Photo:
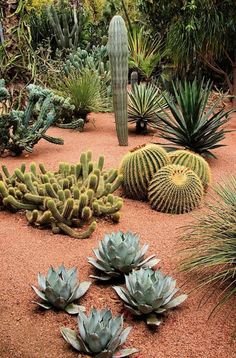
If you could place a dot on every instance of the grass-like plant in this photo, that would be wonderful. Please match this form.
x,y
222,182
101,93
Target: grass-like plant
x,y
144,102
190,122
86,92
211,239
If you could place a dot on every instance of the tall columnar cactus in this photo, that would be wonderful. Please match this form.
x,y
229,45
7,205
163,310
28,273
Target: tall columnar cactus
x,y
138,167
118,54
193,161
175,189
70,198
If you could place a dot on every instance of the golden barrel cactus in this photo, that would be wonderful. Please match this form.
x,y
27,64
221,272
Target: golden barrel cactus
x,y
175,189
138,167
195,162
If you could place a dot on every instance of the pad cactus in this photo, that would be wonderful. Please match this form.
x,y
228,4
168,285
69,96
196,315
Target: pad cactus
x,y
138,167
175,189
71,197
193,161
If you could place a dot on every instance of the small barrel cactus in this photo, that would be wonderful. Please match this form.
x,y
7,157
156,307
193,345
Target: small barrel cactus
x,y
118,55
120,253
60,288
138,167
100,335
133,79
149,293
175,189
193,161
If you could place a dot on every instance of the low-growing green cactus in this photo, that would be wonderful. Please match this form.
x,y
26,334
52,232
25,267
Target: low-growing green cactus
x,y
119,253
19,130
99,335
149,293
60,288
73,196
175,189
138,167
193,161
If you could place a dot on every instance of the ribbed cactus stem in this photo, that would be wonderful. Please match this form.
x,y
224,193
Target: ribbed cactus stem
x,y
118,54
133,79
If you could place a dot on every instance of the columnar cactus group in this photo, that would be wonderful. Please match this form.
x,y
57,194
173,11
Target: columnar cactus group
x,y
138,167
71,197
118,54
175,189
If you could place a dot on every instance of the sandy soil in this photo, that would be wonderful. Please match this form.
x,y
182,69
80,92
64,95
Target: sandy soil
x,y
30,333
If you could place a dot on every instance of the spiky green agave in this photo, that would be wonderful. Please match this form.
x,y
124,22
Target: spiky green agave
x,y
189,122
100,335
138,167
149,293
144,101
175,189
60,288
119,253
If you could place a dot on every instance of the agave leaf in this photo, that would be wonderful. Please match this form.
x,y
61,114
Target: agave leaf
x,y
149,262
124,335
95,263
41,281
50,295
102,278
39,293
121,292
70,336
104,354
176,301
145,309
45,305
80,291
125,352
74,309
133,310
153,320
94,343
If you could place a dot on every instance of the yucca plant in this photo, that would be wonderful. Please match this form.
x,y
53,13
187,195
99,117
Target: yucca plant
x,y
149,293
190,123
211,240
119,253
144,101
86,91
60,288
99,335
145,54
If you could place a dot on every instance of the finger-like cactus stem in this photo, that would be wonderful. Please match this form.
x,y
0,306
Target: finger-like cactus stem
x,y
76,234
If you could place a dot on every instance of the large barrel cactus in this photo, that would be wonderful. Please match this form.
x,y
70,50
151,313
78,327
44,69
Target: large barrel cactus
x,y
175,189
193,161
118,54
138,167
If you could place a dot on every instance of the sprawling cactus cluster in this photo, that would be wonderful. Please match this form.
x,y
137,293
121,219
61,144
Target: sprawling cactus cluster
x,y
138,167
175,189
70,197
193,161
21,130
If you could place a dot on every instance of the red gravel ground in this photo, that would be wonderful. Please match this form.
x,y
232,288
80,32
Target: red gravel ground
x,y
30,333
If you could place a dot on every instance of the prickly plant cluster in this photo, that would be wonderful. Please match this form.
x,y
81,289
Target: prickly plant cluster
x,y
175,189
72,197
138,167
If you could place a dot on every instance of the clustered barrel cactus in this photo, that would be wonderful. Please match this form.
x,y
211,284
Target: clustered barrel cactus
x,y
118,55
175,189
73,196
60,288
119,253
138,167
149,293
100,335
22,130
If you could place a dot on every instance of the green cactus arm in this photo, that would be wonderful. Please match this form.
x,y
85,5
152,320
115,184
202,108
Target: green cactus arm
x,y
75,234
10,200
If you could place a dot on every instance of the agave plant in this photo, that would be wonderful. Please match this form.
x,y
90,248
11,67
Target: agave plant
x,y
190,123
100,335
119,253
211,240
149,293
60,288
144,102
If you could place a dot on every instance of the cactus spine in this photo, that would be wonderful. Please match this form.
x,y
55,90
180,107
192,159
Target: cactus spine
x,y
193,161
118,54
138,167
175,189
